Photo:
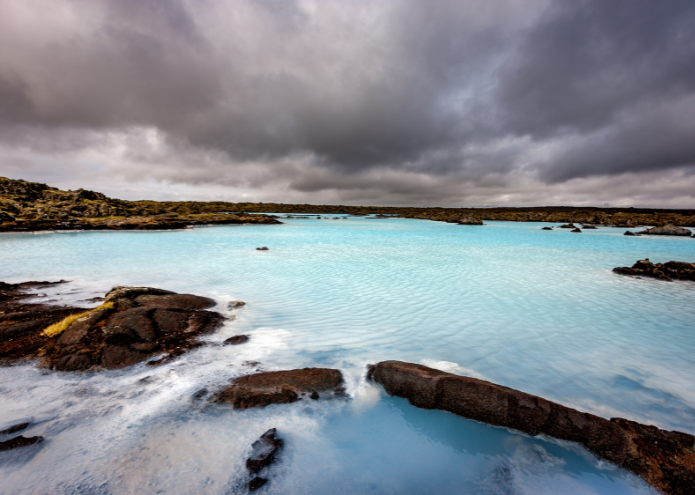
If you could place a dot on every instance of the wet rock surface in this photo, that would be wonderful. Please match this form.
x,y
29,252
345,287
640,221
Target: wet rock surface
x,y
547,228
665,459
14,428
576,229
668,229
20,441
133,325
236,340
673,270
264,450
281,387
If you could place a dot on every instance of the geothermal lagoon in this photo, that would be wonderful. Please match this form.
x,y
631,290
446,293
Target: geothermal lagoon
x,y
538,311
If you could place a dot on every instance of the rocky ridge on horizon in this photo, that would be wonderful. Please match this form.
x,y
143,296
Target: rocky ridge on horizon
x,y
26,205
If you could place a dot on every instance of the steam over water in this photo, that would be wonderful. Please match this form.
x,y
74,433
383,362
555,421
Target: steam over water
x,y
529,309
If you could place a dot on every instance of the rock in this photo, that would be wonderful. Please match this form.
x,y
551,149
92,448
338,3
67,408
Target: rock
x,y
175,301
576,229
236,340
256,483
14,428
568,226
280,387
133,325
673,270
20,441
547,228
264,450
262,249
469,220
628,232
667,230
588,226
235,305
663,458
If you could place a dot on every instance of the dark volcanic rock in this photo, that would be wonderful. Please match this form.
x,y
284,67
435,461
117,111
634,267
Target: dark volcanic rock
x,y
132,325
667,230
568,226
262,249
235,304
588,226
264,450
576,229
20,441
673,270
236,340
663,458
629,232
14,428
547,228
280,387
256,483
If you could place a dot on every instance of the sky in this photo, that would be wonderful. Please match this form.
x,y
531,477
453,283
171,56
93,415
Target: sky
x,y
366,102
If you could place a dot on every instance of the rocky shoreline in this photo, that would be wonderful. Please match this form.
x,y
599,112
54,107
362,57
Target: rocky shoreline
x,y
26,206
665,459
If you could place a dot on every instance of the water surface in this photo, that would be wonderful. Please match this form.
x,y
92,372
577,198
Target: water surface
x,y
530,309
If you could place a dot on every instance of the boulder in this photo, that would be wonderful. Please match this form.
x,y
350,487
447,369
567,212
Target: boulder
x,y
132,325
673,270
235,305
547,228
588,226
668,229
629,232
262,249
663,458
576,229
568,226
280,387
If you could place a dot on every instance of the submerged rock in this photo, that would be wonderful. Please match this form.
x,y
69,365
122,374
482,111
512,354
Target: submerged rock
x,y
547,228
231,305
673,270
576,229
665,459
629,232
264,450
262,248
669,229
280,387
236,340
20,441
14,428
256,483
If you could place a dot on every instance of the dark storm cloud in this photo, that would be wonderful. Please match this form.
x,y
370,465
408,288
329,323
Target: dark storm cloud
x,y
403,101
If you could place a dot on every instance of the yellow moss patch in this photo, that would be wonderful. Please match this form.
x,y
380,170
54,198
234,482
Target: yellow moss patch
x,y
61,326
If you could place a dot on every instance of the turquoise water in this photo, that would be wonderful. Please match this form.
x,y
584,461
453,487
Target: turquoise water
x,y
534,310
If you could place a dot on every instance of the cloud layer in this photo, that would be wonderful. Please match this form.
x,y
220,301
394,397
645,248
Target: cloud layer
x,y
358,101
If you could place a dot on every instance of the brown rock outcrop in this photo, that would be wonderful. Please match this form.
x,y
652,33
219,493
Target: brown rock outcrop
x,y
665,459
672,270
668,229
132,325
280,387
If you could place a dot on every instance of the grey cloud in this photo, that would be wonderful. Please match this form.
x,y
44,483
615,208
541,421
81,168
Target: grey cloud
x,y
394,100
